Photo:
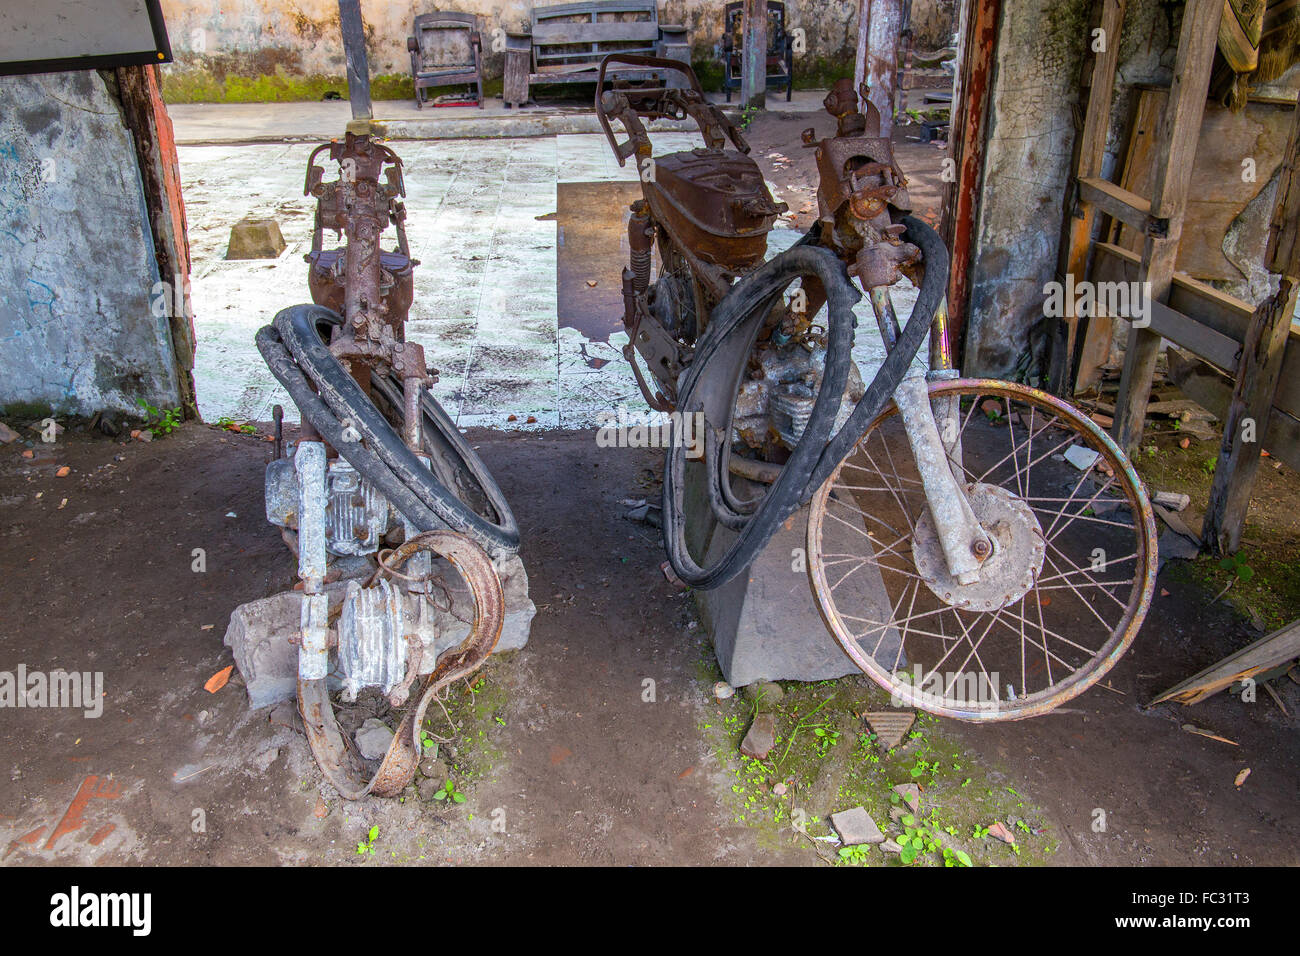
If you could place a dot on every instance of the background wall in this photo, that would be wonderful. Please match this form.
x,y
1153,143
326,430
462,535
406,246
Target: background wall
x,y
252,50
77,269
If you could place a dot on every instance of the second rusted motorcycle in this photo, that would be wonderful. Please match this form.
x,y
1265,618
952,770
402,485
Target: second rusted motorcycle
x,y
947,539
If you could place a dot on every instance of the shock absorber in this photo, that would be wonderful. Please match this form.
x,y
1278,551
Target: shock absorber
x,y
640,238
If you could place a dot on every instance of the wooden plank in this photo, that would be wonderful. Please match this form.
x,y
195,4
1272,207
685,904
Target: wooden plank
x,y
967,144
560,34
1175,150
558,10
1268,652
1218,191
1116,201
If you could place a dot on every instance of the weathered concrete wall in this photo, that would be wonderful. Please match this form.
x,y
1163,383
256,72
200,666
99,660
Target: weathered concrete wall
x,y
1031,136
76,253
290,49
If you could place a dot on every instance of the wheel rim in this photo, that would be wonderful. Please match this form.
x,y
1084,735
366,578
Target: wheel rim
x,y
1073,575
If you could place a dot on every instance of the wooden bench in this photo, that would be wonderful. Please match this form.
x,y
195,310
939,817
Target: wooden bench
x,y
568,41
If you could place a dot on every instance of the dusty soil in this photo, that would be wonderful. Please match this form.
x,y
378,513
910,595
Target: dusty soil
x,y
556,741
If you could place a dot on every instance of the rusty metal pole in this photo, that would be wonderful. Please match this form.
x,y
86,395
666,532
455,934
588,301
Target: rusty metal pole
x,y
880,24
354,50
753,61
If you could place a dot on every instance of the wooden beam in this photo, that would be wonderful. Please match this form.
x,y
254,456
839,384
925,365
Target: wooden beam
x,y
1277,648
1175,152
146,117
967,144
753,61
354,51
880,25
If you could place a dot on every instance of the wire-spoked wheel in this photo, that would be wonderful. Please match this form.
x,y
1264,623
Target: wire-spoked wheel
x,y
1060,597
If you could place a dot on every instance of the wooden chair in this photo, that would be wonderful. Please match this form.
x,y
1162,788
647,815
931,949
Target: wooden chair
x,y
780,48
446,50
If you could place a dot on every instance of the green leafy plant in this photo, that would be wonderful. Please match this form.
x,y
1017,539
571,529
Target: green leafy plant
x,y
854,854
916,840
160,421
368,844
955,857
448,791
230,425
1236,564
427,741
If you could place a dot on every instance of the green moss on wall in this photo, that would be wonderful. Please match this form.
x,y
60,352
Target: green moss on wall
x,y
195,86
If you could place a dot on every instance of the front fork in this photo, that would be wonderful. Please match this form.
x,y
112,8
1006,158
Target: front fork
x,y
965,543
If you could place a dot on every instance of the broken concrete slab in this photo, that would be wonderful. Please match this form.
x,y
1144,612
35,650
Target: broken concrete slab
x,y
765,694
255,239
7,434
910,794
855,827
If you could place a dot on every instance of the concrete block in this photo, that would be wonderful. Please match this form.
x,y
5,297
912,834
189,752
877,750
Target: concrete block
x,y
764,623
255,239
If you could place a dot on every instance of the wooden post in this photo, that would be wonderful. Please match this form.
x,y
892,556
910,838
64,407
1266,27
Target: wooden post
x,y
354,51
753,61
967,141
880,23
1175,151
155,146
1089,150
1259,368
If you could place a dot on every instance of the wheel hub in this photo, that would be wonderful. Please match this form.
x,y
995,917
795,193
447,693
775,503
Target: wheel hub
x,y
1006,574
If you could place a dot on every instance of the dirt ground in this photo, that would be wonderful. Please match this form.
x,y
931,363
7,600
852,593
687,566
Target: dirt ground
x,y
557,741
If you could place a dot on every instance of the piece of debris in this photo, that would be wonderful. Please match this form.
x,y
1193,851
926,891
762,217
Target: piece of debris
x,y
285,714
255,239
1241,777
1184,443
897,813
780,789
764,693
63,472
1202,732
1081,457
856,827
373,738
1173,546
671,576
264,760
219,679
889,846
29,454
999,831
1276,699
890,726
1173,500
433,768
911,795
722,690
591,283
322,809
7,434
761,736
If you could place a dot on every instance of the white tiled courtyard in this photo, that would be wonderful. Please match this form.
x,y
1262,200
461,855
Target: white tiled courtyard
x,y
480,222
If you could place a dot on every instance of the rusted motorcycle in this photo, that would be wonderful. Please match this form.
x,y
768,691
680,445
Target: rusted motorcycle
x,y
954,554
402,537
